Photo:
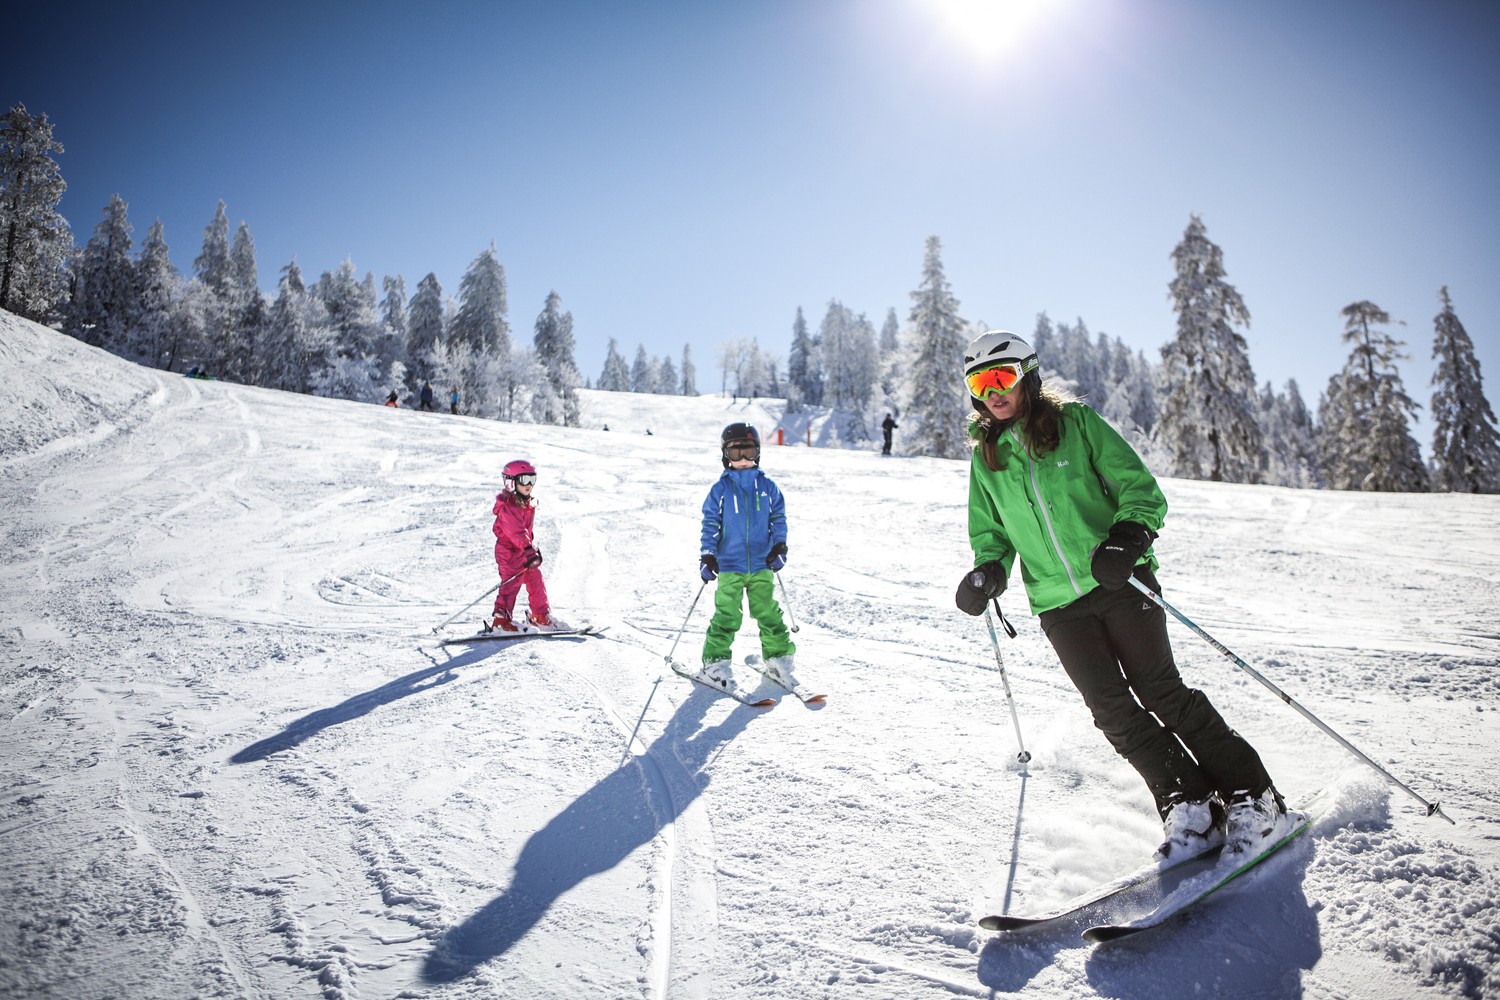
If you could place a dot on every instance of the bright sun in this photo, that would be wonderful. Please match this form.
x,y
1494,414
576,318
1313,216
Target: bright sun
x,y
991,27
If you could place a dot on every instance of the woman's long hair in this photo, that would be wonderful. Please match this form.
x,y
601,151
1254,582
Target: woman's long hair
x,y
1040,417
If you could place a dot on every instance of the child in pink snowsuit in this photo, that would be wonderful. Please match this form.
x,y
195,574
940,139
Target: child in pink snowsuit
x,y
516,553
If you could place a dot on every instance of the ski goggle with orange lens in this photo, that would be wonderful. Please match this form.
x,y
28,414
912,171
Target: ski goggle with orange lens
x,y
736,450
1000,379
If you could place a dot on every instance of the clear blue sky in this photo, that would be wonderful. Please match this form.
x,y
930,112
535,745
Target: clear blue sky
x,y
694,171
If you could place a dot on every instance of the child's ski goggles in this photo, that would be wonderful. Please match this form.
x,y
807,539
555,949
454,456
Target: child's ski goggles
x,y
736,450
525,479
1000,379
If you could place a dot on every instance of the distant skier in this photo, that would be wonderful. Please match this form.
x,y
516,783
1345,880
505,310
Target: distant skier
x,y
743,547
453,401
391,401
426,403
516,554
886,426
1052,483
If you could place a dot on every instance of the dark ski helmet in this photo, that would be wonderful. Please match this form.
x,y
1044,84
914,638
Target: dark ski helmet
x,y
745,441
514,471
1001,349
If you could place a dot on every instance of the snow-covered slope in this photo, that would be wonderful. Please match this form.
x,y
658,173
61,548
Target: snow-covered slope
x,y
237,763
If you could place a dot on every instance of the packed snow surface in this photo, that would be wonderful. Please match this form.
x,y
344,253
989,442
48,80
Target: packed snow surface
x,y
237,762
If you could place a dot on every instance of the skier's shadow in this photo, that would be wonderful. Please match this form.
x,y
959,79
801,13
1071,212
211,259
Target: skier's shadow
x,y
313,723
601,828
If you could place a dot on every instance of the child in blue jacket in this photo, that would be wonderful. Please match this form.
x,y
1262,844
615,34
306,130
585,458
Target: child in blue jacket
x,y
744,546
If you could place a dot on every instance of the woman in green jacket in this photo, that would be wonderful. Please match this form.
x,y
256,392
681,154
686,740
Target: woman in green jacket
x,y
1052,483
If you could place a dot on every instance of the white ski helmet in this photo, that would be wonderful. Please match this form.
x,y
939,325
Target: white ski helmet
x,y
998,347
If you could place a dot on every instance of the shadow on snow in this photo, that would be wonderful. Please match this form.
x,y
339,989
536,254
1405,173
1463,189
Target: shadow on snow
x,y
601,828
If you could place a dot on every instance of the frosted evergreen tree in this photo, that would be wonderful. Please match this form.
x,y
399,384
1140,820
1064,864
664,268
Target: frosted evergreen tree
x,y
642,378
424,327
104,301
890,356
938,399
357,368
689,372
1365,440
851,364
35,241
154,334
666,378
803,367
616,374
1208,421
245,314
211,267
1465,446
480,324
553,341
1291,454
295,343
393,307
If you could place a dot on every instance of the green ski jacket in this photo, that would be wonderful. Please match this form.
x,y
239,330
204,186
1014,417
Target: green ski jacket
x,y
1052,510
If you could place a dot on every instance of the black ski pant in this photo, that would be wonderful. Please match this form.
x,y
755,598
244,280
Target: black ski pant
x,y
1114,647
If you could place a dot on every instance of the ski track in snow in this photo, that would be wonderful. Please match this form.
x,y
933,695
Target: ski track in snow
x,y
237,763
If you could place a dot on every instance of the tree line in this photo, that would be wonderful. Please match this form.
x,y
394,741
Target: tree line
x,y
1197,414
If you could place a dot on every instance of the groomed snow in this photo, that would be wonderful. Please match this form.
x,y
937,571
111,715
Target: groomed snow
x,y
237,763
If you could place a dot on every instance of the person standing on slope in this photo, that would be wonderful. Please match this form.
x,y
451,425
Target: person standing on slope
x,y
744,547
516,554
1052,483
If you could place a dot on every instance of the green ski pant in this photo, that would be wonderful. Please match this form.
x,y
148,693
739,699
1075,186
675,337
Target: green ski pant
x,y
729,614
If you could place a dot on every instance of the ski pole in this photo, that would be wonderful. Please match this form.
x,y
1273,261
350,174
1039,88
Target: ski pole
x,y
675,641
787,600
654,685
475,601
1025,755
1432,807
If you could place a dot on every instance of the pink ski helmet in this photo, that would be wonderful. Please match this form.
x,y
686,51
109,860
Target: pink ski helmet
x,y
519,472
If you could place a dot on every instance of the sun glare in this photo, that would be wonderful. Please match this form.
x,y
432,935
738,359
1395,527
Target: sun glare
x,y
991,28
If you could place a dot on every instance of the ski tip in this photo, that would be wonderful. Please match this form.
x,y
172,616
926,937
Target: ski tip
x,y
1108,932
1002,922
762,703
816,699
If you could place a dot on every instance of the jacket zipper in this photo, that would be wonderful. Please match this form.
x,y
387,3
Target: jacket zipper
x,y
1041,502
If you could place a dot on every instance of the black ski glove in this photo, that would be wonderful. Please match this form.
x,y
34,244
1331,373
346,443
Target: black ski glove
x,y
777,558
533,560
708,566
1117,555
978,586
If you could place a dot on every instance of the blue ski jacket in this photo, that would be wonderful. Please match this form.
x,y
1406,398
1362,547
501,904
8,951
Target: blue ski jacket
x,y
743,516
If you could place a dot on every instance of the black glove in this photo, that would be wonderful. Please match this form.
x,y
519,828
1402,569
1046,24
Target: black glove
x,y
708,566
777,558
1117,555
533,560
978,586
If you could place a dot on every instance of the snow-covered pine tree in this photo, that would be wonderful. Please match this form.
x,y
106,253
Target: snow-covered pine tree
x,y
357,369
1365,440
152,338
424,327
105,300
1207,421
296,343
480,324
689,372
246,313
642,372
1291,453
803,367
553,341
1465,445
937,398
616,374
666,378
890,352
393,310
35,241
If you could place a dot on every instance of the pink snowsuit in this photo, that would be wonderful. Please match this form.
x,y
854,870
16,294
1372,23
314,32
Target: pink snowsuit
x,y
514,547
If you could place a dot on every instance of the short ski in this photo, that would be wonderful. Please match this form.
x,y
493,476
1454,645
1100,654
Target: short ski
x,y
796,688
1141,876
527,632
1193,891
735,693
